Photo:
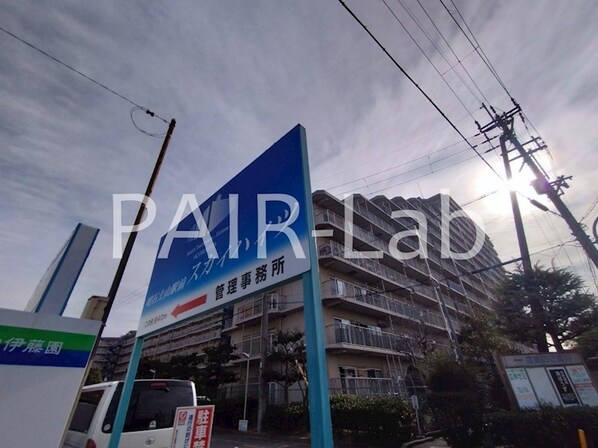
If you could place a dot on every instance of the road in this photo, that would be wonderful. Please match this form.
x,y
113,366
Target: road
x,y
236,439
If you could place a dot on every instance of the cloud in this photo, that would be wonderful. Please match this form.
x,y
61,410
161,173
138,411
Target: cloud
x,y
239,75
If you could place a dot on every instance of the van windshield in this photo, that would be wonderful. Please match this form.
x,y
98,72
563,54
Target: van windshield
x,y
152,406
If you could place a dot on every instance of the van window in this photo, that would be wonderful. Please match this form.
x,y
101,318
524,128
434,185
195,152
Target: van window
x,y
86,408
152,406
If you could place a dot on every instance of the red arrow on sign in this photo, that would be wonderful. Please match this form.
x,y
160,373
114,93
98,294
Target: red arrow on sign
x,y
181,308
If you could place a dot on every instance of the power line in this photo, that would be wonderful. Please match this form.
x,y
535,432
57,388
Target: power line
x,y
151,134
592,207
430,100
406,145
89,78
426,156
415,170
417,177
476,45
424,53
459,61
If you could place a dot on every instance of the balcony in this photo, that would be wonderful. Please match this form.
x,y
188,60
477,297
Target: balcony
x,y
343,336
367,387
384,225
329,217
449,266
252,309
336,250
251,346
378,301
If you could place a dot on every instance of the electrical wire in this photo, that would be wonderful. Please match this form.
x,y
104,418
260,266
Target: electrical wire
x,y
587,213
476,45
80,73
430,100
459,61
393,168
417,177
135,109
425,54
395,149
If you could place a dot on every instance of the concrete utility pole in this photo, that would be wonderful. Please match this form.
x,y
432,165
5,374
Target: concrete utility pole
x,y
133,235
523,247
553,190
536,306
262,385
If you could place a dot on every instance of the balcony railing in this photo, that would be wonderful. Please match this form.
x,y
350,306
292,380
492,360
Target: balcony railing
x,y
251,346
349,291
350,334
253,308
388,227
328,216
368,387
332,248
449,266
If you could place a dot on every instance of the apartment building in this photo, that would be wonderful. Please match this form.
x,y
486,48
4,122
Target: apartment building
x,y
192,336
381,313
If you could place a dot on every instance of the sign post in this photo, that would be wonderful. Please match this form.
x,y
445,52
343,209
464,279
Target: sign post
x,y
193,427
253,234
559,379
43,360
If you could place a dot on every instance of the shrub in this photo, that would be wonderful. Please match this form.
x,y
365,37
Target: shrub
x,y
456,401
547,427
228,412
293,417
380,420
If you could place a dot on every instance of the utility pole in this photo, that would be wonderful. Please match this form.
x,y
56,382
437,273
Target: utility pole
x,y
119,418
553,190
536,306
262,386
133,235
523,247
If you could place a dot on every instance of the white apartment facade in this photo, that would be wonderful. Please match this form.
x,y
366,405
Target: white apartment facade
x,y
380,314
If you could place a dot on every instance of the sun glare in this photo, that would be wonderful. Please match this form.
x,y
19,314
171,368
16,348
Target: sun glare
x,y
494,192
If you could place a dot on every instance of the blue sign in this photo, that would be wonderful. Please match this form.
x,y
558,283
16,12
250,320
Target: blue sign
x,y
250,235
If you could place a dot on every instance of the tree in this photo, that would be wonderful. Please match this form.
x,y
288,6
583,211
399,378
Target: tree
x,y
287,356
215,371
587,343
455,399
566,309
184,367
480,336
94,376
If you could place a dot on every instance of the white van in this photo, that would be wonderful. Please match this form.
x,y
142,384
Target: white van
x,y
150,417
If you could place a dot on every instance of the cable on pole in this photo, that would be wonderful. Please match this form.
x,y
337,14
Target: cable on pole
x,y
89,78
430,100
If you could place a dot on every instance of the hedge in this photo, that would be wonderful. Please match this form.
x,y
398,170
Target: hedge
x,y
379,420
547,427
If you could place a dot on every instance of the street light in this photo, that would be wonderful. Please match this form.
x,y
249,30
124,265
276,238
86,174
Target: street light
x,y
243,426
153,372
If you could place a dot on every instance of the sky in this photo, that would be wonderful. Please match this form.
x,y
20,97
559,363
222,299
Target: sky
x,y
237,75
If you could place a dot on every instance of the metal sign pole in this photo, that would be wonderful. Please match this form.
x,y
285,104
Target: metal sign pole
x,y
123,404
317,371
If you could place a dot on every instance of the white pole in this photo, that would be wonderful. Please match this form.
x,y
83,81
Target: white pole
x,y
246,386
